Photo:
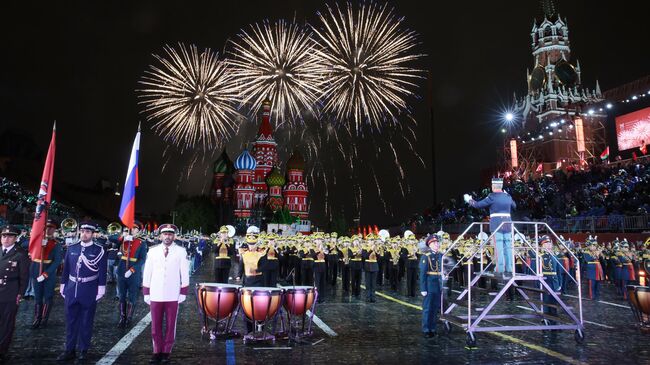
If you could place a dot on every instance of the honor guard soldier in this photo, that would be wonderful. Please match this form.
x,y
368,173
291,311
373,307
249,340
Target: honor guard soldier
x,y
356,265
552,275
430,266
83,283
500,204
165,283
43,273
14,275
224,251
594,269
129,273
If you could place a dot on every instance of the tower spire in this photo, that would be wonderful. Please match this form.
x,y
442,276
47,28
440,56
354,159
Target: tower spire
x,y
548,7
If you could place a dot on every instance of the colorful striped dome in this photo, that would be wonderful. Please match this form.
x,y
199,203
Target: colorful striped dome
x,y
275,178
245,161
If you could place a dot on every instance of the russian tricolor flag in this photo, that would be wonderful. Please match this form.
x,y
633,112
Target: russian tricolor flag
x,y
127,208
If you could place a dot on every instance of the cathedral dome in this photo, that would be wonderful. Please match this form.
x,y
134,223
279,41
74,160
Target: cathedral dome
x,y
223,165
296,162
275,178
245,161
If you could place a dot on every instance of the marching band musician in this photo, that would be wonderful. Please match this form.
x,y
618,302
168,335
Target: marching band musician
x,y
332,260
626,259
355,267
224,251
344,263
165,285
43,273
83,283
14,263
593,267
430,267
307,264
370,268
271,268
320,269
132,256
411,268
254,262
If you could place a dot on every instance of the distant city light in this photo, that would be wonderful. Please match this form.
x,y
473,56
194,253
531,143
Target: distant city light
x,y
609,105
634,97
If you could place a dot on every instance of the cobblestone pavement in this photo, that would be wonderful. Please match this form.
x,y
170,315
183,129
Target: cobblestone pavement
x,y
385,332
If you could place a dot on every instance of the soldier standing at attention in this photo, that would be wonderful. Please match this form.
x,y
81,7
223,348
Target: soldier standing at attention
x,y
14,264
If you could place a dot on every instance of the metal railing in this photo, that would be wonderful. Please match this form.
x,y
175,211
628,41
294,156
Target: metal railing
x,y
608,223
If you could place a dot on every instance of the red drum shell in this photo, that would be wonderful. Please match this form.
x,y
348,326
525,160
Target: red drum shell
x,y
298,300
221,297
261,302
641,299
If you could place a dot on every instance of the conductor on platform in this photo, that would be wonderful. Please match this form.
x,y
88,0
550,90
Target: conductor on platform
x,y
500,204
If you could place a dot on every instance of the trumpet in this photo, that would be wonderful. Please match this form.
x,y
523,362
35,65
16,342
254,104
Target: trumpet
x,y
113,228
68,225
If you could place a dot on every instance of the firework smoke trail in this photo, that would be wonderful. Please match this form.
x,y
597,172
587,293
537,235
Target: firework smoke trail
x,y
279,62
367,56
191,97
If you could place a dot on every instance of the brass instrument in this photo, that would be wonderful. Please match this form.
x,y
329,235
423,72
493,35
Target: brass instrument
x,y
394,255
68,225
114,228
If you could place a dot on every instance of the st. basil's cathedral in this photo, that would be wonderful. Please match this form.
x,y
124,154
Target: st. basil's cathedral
x,y
254,184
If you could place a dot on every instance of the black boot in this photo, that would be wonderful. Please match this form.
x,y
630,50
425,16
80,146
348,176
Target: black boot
x,y
66,356
38,315
129,314
46,314
122,323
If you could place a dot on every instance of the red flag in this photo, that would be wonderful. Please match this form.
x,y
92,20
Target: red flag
x,y
634,156
540,168
605,154
644,148
42,205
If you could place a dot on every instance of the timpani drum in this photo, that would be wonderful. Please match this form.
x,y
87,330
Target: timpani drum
x,y
639,298
218,302
260,304
300,304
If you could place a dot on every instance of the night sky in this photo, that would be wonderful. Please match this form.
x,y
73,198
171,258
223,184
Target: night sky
x,y
79,64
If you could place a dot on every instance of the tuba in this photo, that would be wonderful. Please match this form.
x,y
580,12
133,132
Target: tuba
x,y
114,228
68,225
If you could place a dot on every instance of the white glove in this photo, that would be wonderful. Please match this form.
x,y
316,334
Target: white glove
x,y
44,242
424,294
101,290
128,238
147,299
40,279
62,290
467,198
181,298
128,274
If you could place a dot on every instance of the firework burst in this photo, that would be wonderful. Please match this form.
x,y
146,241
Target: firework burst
x,y
191,97
278,61
367,56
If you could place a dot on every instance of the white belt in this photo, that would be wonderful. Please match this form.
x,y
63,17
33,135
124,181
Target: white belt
x,y
83,280
500,215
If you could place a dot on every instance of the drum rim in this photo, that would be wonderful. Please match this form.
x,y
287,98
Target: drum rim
x,y
217,286
266,289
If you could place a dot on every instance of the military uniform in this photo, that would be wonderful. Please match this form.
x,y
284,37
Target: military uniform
x,y
411,270
271,267
356,265
307,266
83,283
224,251
430,267
320,273
43,273
594,275
129,277
500,205
14,276
370,271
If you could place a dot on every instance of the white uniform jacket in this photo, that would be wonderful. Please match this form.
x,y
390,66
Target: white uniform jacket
x,y
165,278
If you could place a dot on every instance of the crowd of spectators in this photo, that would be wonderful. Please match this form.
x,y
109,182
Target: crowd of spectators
x,y
601,190
16,201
